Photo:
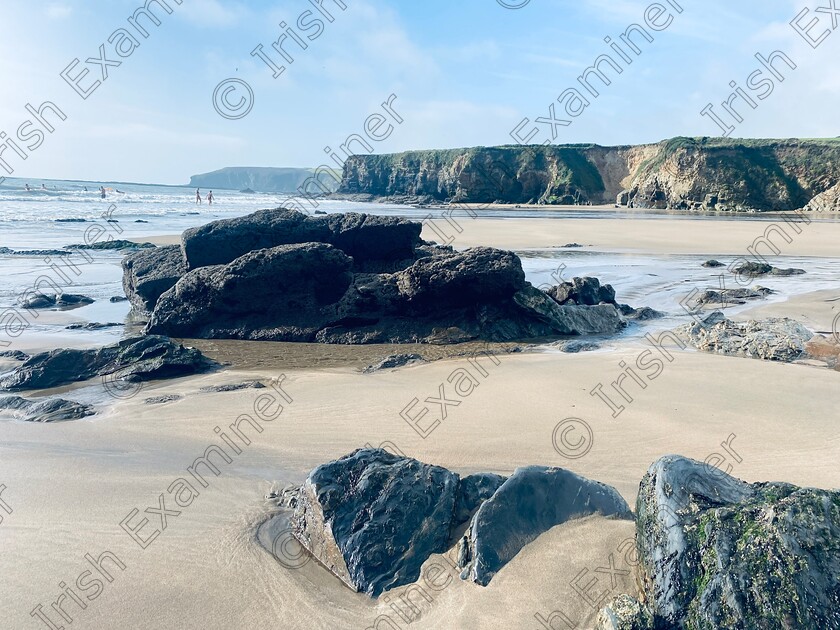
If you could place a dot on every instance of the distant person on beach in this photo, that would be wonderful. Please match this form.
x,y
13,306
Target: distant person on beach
x,y
197,196
43,187
86,189
102,191
28,188
210,198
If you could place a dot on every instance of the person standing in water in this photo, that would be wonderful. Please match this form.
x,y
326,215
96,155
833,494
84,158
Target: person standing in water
x,y
102,191
197,196
210,198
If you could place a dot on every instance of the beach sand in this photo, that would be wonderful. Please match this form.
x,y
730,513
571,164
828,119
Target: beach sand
x,y
70,485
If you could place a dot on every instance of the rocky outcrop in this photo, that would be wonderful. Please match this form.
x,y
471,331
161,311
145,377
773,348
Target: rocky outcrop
x,y
134,359
373,518
716,552
363,237
827,201
719,174
49,410
624,613
326,292
775,339
148,274
473,490
532,501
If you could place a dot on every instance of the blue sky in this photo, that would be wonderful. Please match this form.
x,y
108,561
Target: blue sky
x,y
464,72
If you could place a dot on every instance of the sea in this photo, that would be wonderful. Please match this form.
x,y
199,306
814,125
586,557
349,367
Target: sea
x,y
54,214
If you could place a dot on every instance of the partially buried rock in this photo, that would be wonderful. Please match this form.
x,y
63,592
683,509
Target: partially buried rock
x,y
624,613
165,398
473,490
716,552
532,501
394,361
233,387
712,264
49,410
133,359
64,301
373,518
775,339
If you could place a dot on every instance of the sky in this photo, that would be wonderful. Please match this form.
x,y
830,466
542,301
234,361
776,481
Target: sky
x,y
463,73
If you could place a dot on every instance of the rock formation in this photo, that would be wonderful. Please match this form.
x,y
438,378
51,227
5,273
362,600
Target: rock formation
x,y
624,613
716,552
775,339
349,278
373,518
133,359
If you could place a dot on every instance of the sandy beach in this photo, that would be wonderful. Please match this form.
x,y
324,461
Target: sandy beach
x,y
72,484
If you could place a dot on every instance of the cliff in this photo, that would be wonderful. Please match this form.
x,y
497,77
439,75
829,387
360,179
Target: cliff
x,y
681,173
260,179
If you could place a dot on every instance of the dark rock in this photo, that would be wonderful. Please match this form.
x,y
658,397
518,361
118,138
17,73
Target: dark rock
x,y
574,346
373,518
753,269
570,319
532,501
38,300
775,339
233,387
17,355
473,490
92,326
159,400
149,273
140,221
364,237
268,293
247,191
582,291
319,212
113,244
49,410
71,220
712,264
134,359
117,298
645,313
716,552
65,300
40,253
571,246
624,613
393,361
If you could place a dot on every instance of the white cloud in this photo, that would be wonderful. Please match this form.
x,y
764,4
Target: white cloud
x,y
58,10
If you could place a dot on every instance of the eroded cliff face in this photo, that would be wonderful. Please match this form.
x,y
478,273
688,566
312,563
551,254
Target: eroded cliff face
x,y
682,173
